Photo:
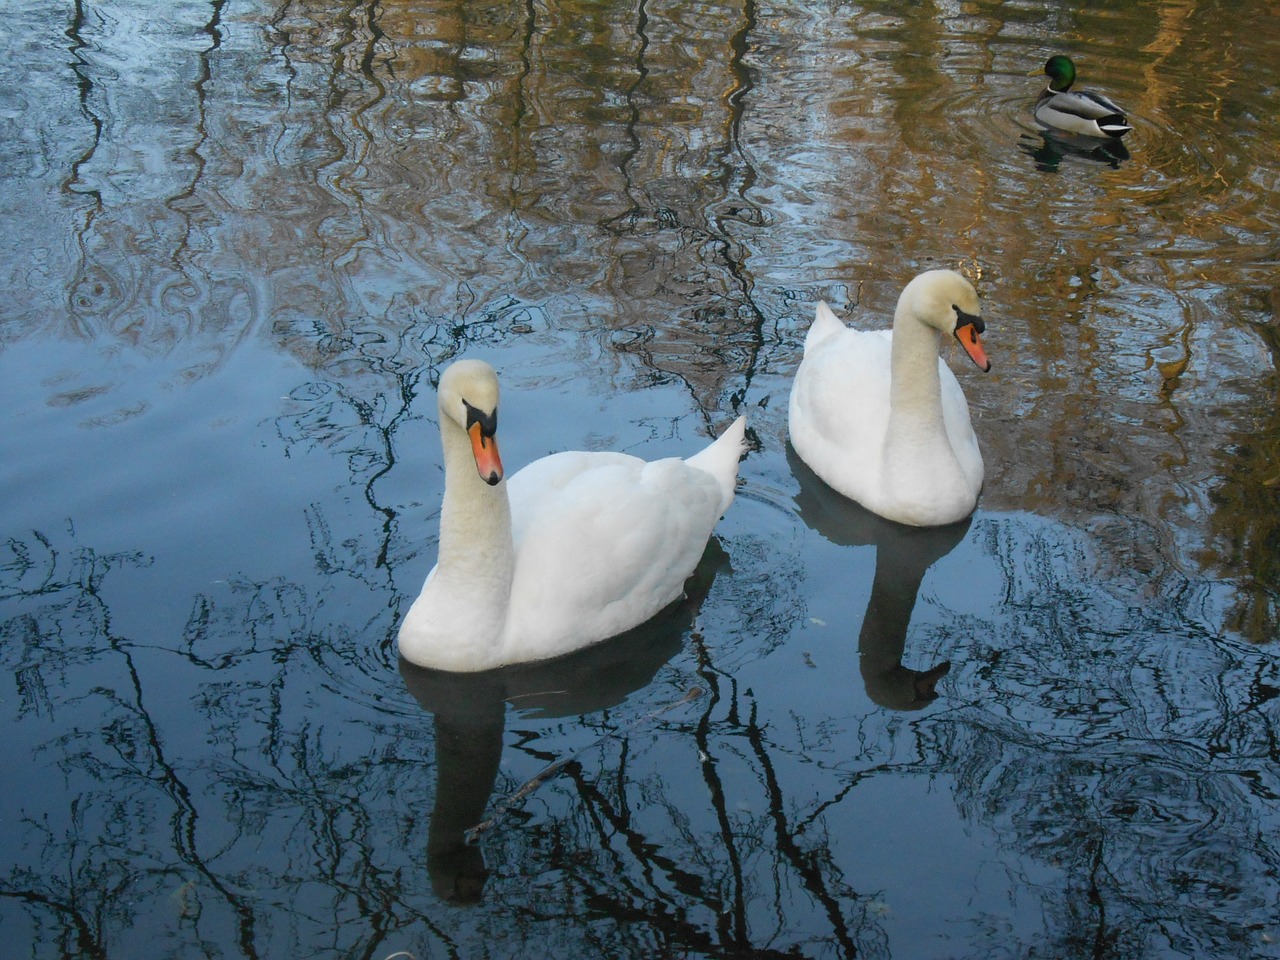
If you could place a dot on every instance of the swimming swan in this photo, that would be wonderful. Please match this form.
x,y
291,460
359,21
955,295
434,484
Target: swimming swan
x,y
878,415
573,549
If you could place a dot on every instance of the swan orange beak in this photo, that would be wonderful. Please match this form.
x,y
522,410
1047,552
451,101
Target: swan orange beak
x,y
485,450
968,336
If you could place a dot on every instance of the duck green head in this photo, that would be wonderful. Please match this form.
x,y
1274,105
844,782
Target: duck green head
x,y
1061,72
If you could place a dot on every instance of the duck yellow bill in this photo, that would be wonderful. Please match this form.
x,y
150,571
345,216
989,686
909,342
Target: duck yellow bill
x,y
485,450
972,343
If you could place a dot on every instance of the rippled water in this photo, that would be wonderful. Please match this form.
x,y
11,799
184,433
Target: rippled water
x,y
241,241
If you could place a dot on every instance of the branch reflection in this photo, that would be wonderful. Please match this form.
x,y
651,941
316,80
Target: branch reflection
x,y
469,712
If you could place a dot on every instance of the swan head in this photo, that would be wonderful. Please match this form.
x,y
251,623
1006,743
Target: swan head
x,y
468,398
946,301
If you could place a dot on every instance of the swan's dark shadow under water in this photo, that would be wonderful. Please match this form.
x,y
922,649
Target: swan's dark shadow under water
x,y
903,555
469,711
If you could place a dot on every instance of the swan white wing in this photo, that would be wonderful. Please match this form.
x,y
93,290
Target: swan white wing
x,y
540,484
603,542
839,410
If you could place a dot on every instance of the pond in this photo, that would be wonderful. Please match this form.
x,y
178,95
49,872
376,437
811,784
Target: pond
x,y
241,241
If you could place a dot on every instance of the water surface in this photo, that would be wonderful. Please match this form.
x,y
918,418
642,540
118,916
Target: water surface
x,y
241,241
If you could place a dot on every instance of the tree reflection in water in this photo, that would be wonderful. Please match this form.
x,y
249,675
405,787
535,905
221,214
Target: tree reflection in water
x,y
630,205
695,891
469,712
257,782
1108,740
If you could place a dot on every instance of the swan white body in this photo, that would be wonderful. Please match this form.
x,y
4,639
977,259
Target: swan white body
x,y
573,549
878,415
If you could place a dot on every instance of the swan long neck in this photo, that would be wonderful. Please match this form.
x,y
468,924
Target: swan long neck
x,y
915,389
919,464
476,556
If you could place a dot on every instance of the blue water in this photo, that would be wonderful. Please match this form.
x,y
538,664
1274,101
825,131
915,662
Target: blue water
x,y
240,243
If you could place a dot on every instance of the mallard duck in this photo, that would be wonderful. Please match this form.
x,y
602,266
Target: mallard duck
x,y
573,549
878,415
1076,111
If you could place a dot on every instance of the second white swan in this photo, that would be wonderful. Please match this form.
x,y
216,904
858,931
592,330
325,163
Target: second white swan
x,y
878,415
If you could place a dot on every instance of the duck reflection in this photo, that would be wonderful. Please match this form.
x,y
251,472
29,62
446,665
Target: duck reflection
x,y
903,554
470,712
1049,149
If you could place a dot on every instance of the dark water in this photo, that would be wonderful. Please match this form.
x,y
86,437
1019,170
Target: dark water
x,y
240,241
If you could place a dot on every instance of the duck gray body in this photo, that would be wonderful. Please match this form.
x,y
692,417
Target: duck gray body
x,y
1077,111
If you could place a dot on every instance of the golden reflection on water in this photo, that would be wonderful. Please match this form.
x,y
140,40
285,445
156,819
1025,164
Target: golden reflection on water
x,y
668,189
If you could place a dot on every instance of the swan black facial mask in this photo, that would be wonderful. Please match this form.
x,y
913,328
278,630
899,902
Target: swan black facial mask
x,y
968,330
483,428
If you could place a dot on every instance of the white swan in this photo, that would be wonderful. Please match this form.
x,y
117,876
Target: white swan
x,y
573,549
881,418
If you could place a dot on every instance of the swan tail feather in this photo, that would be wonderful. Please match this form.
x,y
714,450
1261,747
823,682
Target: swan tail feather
x,y
720,459
825,323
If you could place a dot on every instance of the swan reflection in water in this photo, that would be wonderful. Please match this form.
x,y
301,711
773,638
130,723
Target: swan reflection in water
x,y
903,555
469,711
